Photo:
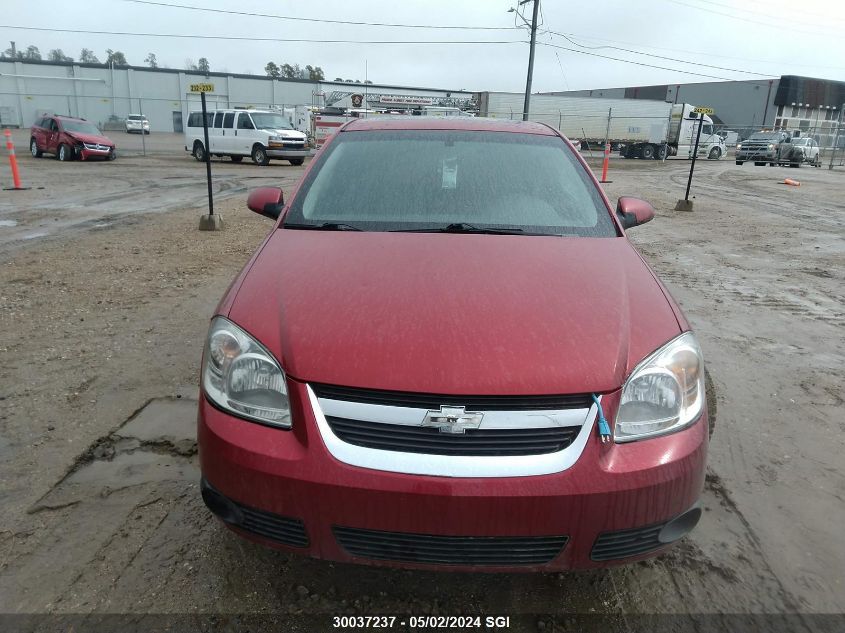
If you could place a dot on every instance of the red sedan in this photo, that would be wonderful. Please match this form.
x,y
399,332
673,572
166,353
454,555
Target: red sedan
x,y
447,354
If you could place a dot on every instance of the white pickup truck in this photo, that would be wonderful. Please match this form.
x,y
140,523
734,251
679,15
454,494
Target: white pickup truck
x,y
259,134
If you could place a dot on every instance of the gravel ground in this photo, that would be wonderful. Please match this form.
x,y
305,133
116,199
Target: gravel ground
x,y
103,318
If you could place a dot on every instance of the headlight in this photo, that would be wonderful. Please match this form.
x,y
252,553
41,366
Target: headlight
x,y
771,146
280,139
242,377
739,145
664,394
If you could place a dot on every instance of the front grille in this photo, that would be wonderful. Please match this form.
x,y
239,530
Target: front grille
x,y
431,441
273,526
625,543
96,146
435,401
450,550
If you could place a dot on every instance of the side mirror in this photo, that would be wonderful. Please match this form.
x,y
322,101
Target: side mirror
x,y
267,201
633,212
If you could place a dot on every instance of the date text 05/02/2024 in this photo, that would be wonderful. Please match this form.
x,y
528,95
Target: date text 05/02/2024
x,y
421,621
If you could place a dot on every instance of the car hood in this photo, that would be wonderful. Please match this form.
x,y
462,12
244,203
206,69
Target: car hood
x,y
454,313
90,138
286,133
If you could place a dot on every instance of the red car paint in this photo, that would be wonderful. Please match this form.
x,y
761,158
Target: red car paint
x,y
49,133
455,314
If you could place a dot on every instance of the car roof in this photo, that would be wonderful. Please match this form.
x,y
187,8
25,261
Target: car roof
x,y
475,124
64,117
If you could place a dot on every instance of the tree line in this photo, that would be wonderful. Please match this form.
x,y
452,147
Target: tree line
x,y
117,58
87,56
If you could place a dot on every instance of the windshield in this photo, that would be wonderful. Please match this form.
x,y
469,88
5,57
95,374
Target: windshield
x,y
800,141
83,127
136,117
463,181
764,136
269,121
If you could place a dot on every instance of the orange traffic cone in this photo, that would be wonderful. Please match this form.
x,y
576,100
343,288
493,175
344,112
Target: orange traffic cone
x,y
790,181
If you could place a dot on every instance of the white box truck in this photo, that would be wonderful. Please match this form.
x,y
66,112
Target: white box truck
x,y
639,128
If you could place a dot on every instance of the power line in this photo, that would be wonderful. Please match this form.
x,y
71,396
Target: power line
x,y
733,16
320,20
257,39
671,59
629,61
704,53
768,15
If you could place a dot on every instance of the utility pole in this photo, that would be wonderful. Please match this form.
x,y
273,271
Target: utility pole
x,y
530,59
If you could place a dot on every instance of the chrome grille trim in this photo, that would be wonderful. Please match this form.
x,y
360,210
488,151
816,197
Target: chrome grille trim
x,y
450,465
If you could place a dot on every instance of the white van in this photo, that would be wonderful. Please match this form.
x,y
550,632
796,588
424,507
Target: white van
x,y
259,134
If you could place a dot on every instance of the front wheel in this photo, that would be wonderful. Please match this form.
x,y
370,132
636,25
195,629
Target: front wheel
x,y
259,155
739,162
113,155
648,152
296,162
715,154
33,147
64,153
199,152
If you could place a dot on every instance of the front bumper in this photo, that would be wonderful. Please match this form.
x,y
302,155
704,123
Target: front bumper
x,y
288,153
284,489
85,153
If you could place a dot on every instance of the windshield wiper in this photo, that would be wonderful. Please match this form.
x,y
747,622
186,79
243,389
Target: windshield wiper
x,y
325,226
464,227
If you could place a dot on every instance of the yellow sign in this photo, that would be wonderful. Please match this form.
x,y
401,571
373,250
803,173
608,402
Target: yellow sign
x,y
703,110
202,87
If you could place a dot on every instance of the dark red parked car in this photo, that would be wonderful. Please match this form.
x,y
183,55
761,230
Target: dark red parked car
x,y
68,138
447,354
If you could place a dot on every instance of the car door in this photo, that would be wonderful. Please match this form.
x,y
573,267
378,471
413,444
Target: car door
x,y
51,136
228,139
245,134
215,134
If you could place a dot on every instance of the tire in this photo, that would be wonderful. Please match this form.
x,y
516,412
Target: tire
x,y
236,159
759,164
648,152
296,162
113,155
740,162
199,151
662,152
259,155
64,153
795,165
33,147
715,154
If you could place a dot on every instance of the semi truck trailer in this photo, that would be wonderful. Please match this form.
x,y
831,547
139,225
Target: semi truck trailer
x,y
638,127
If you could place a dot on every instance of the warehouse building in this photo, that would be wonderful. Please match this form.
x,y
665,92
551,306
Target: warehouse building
x,y
797,104
106,95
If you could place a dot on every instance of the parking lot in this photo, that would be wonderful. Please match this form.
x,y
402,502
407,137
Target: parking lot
x,y
107,287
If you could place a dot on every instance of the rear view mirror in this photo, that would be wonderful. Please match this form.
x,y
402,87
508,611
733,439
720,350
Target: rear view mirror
x,y
633,212
267,201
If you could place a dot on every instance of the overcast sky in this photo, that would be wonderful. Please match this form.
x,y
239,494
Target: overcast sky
x,y
765,37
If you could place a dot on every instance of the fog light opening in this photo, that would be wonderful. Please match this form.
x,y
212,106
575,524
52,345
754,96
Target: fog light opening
x,y
220,505
680,526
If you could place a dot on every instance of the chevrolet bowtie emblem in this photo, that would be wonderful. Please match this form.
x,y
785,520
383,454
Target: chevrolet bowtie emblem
x,y
453,419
